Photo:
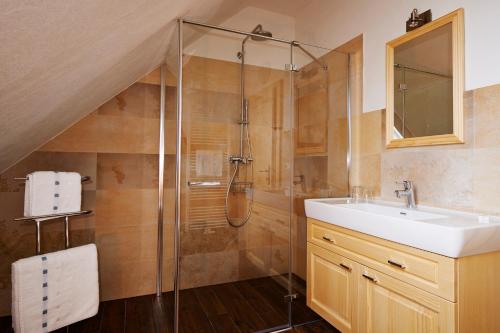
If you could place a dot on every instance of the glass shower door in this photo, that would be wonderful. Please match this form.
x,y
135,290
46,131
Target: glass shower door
x,y
235,183
321,149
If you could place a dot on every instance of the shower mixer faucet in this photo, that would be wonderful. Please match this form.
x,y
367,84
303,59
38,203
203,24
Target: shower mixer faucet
x,y
240,159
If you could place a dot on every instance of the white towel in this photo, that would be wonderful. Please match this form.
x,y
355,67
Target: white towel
x,y
50,192
54,290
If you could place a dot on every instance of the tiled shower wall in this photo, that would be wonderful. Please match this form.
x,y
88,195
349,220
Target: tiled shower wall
x,y
212,251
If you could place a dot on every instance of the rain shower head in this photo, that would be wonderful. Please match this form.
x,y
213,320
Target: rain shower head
x,y
258,30
258,35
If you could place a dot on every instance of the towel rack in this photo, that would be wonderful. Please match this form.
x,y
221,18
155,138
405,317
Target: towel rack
x,y
51,217
84,178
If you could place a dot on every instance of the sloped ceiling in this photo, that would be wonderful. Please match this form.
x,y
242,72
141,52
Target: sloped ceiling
x,y
61,59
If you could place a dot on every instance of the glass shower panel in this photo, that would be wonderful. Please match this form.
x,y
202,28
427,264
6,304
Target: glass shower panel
x,y
321,147
235,182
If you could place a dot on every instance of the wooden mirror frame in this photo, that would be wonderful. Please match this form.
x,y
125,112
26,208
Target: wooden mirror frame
x,y
456,19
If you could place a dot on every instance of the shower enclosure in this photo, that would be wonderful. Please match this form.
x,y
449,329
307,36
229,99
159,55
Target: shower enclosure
x,y
239,257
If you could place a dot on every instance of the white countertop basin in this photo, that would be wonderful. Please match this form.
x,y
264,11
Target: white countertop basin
x,y
451,233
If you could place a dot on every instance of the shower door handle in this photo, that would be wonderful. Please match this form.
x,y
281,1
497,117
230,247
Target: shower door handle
x,y
206,183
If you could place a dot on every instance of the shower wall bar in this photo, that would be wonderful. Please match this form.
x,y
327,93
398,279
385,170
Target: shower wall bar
x,y
291,101
161,162
316,60
178,166
260,36
349,125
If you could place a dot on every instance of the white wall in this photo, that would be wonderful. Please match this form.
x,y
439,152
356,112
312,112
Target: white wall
x,y
331,23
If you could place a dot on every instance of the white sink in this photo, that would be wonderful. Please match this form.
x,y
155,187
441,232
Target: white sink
x,y
451,233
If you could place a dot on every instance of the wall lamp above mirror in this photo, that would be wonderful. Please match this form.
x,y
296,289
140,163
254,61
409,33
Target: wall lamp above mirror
x,y
425,84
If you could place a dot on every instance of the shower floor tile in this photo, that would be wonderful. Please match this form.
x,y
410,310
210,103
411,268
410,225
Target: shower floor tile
x,y
237,307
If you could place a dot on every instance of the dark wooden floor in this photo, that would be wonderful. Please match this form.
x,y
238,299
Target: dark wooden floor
x,y
237,307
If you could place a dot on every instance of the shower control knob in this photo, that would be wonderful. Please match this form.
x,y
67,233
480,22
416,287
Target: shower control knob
x,y
236,159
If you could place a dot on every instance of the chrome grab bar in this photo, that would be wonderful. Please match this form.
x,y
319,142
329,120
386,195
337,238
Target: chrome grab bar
x,y
206,183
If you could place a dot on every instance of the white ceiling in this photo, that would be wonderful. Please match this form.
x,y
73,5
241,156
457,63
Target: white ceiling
x,y
61,59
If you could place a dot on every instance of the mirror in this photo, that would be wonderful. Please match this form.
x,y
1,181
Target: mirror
x,y
425,84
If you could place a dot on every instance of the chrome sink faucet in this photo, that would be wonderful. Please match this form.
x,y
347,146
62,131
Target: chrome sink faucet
x,y
407,192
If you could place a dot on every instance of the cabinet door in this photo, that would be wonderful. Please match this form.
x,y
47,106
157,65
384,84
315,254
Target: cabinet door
x,y
387,305
331,287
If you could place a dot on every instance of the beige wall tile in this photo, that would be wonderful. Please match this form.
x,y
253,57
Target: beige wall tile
x,y
126,207
169,206
167,274
139,100
113,134
130,243
366,172
315,172
254,263
126,279
211,106
442,178
208,268
486,180
208,240
210,74
486,117
127,171
371,133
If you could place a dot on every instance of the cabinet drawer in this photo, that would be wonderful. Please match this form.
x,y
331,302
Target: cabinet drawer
x,y
429,271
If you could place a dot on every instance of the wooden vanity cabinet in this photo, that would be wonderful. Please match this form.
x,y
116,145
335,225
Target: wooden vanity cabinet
x,y
361,283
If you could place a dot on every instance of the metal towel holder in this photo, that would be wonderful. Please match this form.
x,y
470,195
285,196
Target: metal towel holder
x,y
51,217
